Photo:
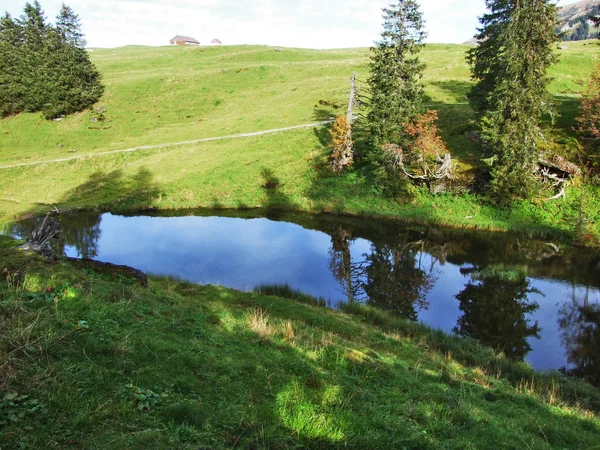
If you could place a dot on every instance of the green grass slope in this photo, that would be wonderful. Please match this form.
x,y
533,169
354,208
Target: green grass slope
x,y
173,94
96,361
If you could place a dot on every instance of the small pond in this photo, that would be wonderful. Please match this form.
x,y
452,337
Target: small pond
x,y
533,300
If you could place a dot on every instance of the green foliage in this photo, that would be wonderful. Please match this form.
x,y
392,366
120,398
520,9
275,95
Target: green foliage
x,y
52,295
15,408
396,89
396,72
43,67
11,86
145,399
510,96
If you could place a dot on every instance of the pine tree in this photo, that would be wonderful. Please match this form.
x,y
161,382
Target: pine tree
x,y
510,97
34,56
396,72
75,83
11,69
396,92
43,67
68,26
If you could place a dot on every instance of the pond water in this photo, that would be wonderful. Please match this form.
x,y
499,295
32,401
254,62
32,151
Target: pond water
x,y
533,300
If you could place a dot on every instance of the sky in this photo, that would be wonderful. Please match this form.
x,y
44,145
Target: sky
x,y
315,24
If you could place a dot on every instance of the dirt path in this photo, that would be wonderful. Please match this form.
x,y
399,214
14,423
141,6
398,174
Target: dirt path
x,y
171,144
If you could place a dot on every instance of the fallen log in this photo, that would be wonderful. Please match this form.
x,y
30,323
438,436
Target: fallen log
x,y
560,164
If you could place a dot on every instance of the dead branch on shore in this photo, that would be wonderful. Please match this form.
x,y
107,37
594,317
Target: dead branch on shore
x,y
38,240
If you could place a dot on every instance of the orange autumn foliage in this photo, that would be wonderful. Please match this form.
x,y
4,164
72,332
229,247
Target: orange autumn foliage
x,y
425,133
341,155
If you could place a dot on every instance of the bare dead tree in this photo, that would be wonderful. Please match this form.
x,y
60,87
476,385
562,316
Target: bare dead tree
x,y
343,152
37,241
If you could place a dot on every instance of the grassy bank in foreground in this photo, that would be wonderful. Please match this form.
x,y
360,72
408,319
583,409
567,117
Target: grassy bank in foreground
x,y
99,362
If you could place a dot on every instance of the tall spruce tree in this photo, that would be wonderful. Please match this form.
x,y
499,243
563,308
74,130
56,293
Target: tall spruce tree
x,y
68,26
43,67
34,56
396,72
510,97
11,68
75,83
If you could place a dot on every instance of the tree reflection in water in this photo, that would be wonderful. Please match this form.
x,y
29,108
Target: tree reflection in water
x,y
395,279
391,277
580,325
80,231
340,263
494,304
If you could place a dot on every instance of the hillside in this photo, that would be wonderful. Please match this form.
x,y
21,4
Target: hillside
x,y
575,21
174,94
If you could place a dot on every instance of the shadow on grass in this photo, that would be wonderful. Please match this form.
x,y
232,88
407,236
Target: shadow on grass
x,y
110,191
272,187
323,114
456,90
568,108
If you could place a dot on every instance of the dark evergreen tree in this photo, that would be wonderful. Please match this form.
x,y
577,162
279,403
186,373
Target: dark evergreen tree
x,y
510,97
396,91
34,56
396,72
68,27
45,68
75,84
11,67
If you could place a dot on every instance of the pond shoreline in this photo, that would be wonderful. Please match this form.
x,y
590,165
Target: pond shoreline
x,y
541,232
451,279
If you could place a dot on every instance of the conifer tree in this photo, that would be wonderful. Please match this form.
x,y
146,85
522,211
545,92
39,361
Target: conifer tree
x,y
75,84
68,26
34,56
396,72
510,97
43,67
11,86
396,91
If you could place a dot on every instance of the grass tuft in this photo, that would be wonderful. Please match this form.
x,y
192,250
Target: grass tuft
x,y
286,291
258,321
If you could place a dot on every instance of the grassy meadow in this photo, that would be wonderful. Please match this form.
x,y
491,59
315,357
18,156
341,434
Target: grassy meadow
x,y
173,94
92,360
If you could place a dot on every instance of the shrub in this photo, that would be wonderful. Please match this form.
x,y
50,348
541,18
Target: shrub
x,y
341,139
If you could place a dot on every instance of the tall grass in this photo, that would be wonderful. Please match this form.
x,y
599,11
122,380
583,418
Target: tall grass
x,y
286,291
